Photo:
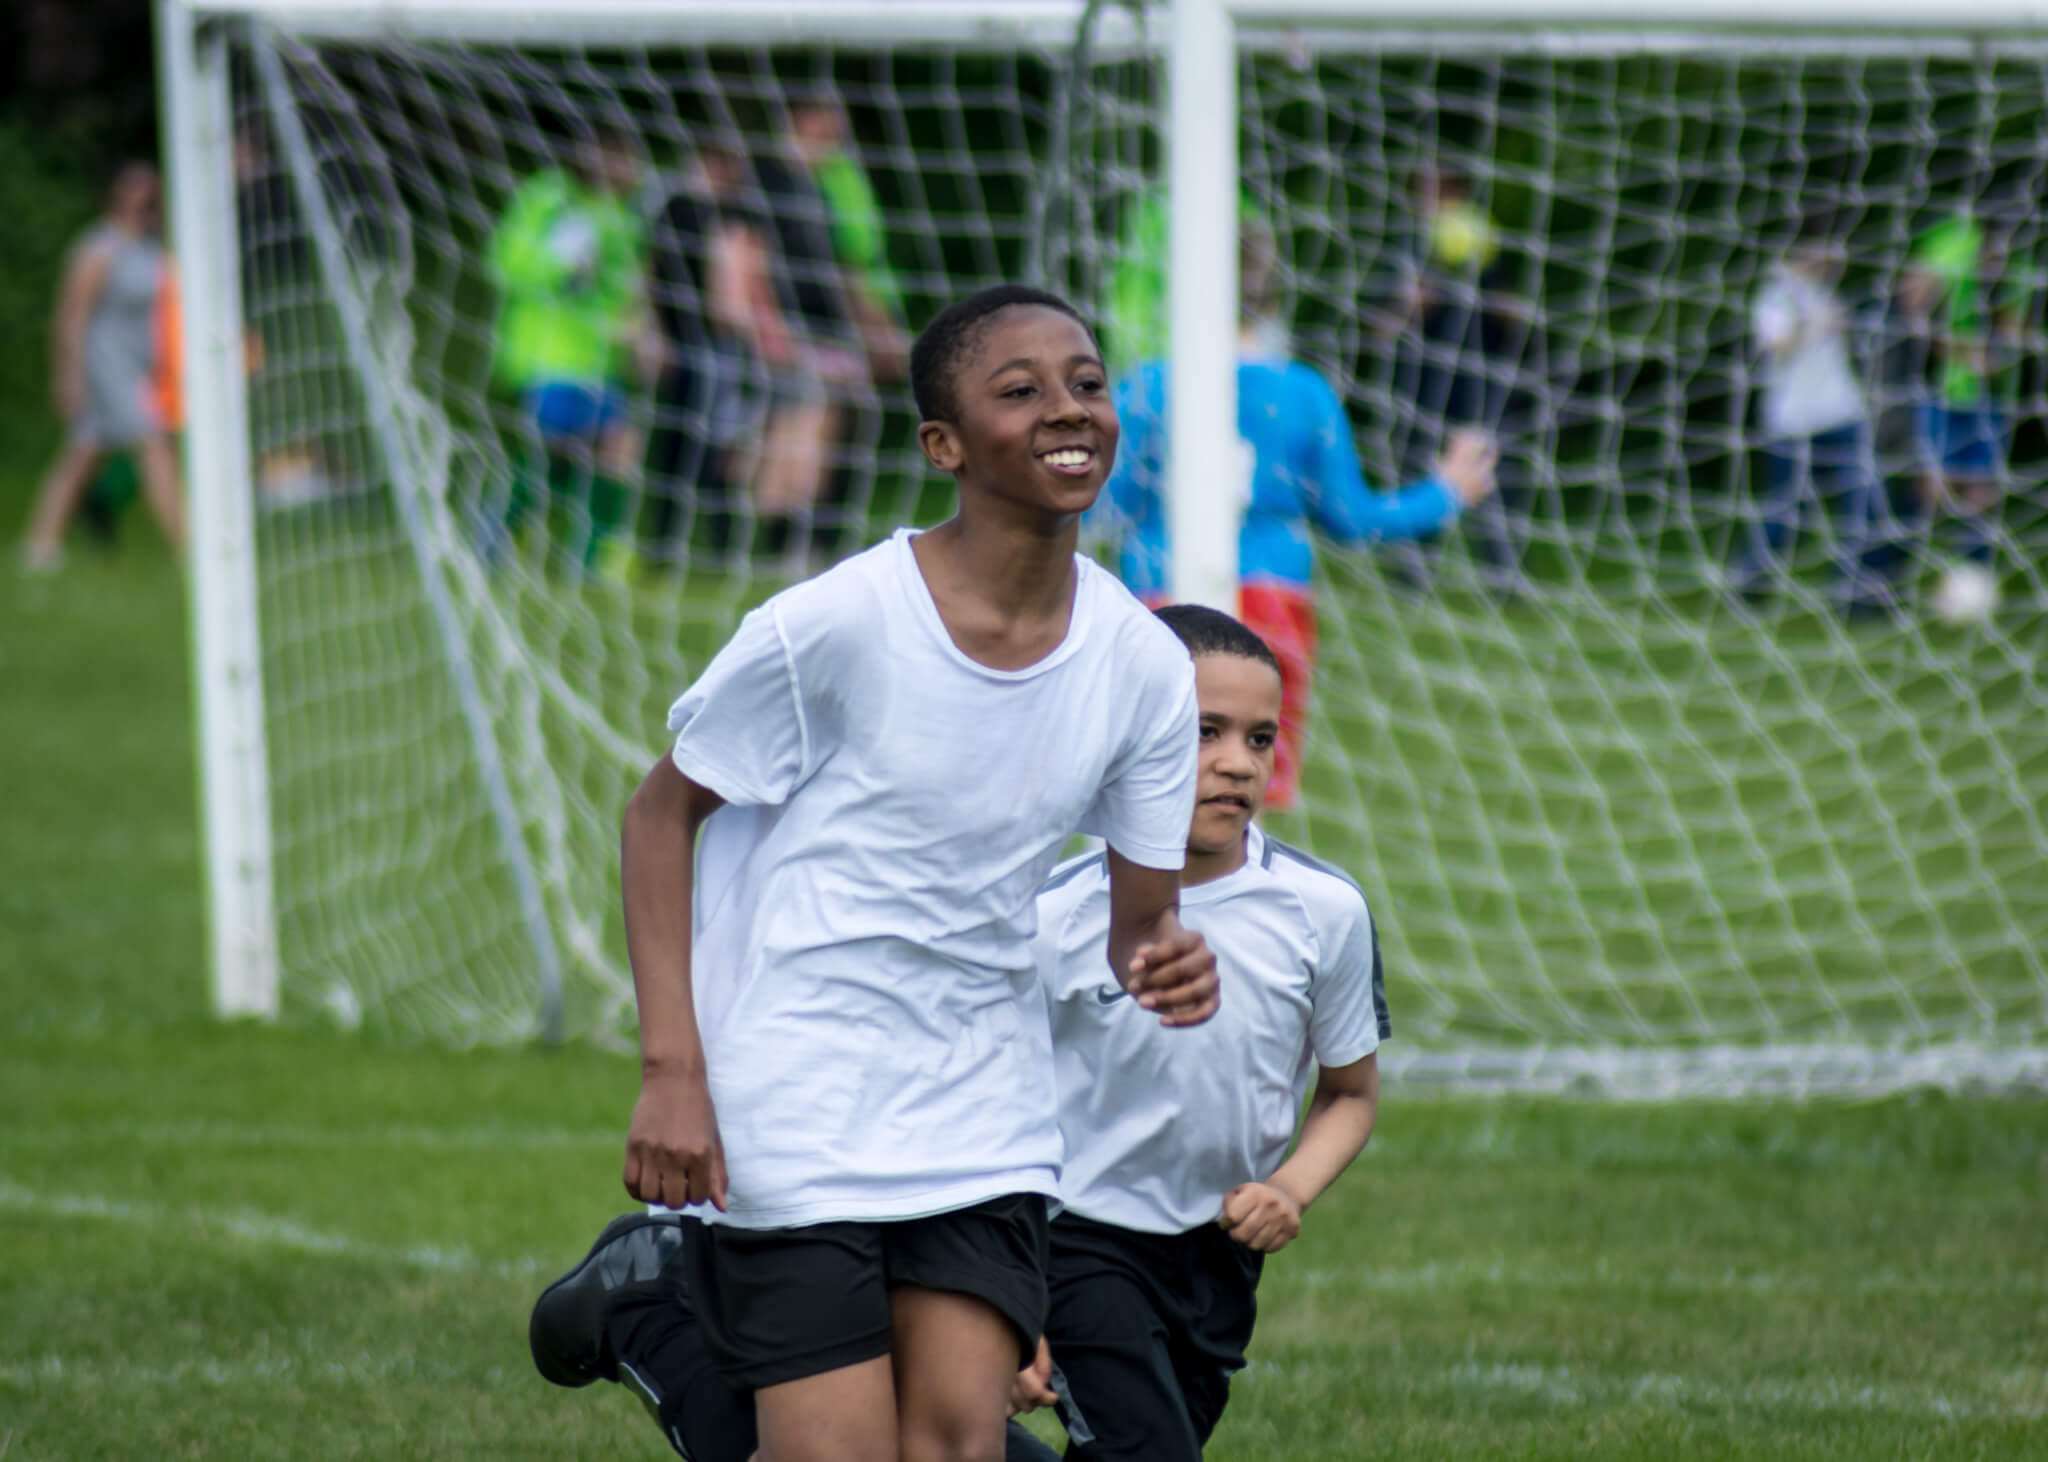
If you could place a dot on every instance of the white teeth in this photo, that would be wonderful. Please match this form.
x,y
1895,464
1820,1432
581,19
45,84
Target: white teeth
x,y
1068,457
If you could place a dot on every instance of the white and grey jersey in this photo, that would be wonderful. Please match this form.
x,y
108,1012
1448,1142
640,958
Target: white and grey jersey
x,y
1157,1124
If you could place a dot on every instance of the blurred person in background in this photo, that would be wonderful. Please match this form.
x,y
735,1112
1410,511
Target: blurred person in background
x,y
569,257
722,327
1978,300
1445,299
841,306
1300,472
819,127
1816,421
1453,295
104,360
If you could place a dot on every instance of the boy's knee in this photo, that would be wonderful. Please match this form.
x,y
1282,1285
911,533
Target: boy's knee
x,y
958,1444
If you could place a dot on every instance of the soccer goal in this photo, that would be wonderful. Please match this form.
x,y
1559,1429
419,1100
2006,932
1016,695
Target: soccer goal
x,y
1657,786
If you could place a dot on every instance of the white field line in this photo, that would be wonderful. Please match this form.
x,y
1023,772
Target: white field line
x,y
1438,1276
249,1226
1564,1387
60,1370
203,1133
1445,1276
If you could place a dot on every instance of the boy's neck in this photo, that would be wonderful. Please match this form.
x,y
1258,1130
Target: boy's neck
x,y
1004,594
1203,868
1013,566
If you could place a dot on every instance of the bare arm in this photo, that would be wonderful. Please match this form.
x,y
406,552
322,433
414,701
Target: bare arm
x,y
673,1154
79,295
1267,1216
743,293
888,351
1167,968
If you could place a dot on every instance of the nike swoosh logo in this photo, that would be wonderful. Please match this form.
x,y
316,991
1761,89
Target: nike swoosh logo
x,y
1110,994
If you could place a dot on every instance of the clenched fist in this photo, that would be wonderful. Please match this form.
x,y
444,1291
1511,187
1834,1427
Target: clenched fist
x,y
673,1155
1261,1217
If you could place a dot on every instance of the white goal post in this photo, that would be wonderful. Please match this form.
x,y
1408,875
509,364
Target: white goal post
x,y
1630,831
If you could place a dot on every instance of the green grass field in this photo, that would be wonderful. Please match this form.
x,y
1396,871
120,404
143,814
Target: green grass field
x,y
229,1241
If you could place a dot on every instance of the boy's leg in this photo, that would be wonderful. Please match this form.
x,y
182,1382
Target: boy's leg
x,y
676,440
623,1314
968,1302
956,1357
1112,1344
1845,475
1976,441
1212,1330
659,1354
800,1317
1771,531
843,1415
615,491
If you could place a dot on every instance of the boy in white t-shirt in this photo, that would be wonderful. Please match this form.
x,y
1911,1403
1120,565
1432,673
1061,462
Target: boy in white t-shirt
x,y
1816,422
845,1067
1175,1184
1178,1179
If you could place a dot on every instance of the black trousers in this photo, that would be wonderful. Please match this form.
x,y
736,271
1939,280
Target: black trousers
x,y
656,1349
1146,1332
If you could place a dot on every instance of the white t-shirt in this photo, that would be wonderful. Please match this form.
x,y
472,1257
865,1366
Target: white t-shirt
x,y
1811,388
1160,1124
865,903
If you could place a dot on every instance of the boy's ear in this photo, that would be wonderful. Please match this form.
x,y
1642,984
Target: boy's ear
x,y
941,443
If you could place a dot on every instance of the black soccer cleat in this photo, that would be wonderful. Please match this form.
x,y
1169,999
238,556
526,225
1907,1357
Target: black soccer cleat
x,y
566,1332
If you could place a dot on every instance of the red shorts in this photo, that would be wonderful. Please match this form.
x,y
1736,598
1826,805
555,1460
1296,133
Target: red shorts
x,y
1285,618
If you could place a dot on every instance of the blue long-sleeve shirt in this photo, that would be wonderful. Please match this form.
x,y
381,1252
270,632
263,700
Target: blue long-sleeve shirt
x,y
1299,468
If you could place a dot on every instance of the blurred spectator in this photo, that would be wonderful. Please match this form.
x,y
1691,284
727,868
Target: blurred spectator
x,y
1447,299
1897,351
1301,472
1468,326
819,127
1964,429
569,256
721,323
838,299
1815,419
104,363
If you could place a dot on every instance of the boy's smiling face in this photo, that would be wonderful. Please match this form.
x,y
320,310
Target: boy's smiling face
x,y
1036,424
1240,706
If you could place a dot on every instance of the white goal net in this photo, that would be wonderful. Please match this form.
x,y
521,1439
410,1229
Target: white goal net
x,y
1694,762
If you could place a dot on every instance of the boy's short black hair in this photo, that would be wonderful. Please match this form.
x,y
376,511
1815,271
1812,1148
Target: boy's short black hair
x,y
1207,631
955,331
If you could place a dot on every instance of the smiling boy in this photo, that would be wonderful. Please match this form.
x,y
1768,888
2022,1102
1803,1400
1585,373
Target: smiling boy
x,y
829,895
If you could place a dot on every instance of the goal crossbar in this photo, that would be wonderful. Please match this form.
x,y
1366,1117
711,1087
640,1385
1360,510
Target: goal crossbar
x,y
945,22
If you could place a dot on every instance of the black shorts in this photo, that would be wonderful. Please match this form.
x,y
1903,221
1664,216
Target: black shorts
x,y
1146,1331
777,1305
